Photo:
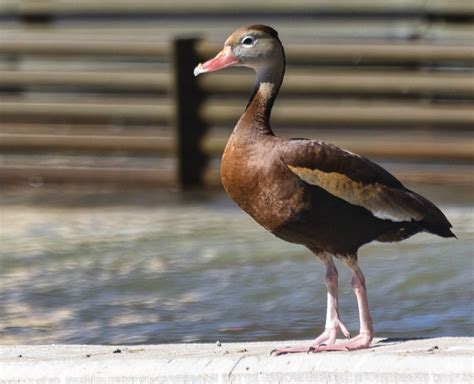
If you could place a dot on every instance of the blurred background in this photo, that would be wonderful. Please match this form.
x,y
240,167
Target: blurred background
x,y
113,225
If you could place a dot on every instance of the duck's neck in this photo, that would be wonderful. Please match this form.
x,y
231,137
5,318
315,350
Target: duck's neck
x,y
258,111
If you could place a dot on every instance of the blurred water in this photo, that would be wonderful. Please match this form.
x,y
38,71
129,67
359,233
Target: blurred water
x,y
195,268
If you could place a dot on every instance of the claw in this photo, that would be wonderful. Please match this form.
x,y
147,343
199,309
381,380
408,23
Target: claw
x,y
315,349
277,352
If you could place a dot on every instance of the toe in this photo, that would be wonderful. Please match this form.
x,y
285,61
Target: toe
x,y
284,351
344,330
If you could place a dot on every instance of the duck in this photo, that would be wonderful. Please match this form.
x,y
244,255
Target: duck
x,y
312,193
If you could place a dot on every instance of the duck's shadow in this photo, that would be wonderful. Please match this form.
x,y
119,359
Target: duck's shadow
x,y
396,340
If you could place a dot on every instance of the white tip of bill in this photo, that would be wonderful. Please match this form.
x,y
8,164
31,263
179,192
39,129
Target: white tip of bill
x,y
198,70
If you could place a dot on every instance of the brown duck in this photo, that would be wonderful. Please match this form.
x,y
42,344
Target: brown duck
x,y
312,193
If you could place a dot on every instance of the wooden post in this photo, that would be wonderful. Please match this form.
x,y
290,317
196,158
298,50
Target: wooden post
x,y
190,128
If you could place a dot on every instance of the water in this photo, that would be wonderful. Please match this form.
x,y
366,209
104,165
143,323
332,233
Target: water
x,y
182,268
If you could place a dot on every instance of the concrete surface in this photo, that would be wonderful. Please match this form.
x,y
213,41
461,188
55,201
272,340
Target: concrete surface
x,y
440,360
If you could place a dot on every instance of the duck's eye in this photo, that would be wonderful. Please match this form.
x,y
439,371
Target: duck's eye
x,y
248,40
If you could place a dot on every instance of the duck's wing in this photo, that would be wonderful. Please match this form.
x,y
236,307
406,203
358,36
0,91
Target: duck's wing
x,y
361,182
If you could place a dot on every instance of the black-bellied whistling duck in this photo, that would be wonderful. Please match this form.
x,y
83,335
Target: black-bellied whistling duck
x,y
312,193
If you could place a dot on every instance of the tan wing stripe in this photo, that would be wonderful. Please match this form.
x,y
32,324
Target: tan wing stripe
x,y
383,202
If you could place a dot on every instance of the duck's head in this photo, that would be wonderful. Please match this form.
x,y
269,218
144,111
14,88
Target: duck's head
x,y
256,47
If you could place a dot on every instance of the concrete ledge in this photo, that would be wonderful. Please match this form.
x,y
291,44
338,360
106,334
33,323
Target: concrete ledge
x,y
440,360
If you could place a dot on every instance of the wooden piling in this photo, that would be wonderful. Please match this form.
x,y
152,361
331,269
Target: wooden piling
x,y
190,128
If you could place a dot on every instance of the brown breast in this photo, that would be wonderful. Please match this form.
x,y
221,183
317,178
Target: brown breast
x,y
256,178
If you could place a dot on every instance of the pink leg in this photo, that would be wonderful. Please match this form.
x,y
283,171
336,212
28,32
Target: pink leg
x,y
333,323
363,339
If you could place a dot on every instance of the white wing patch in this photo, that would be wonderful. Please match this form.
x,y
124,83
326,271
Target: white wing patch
x,y
383,202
